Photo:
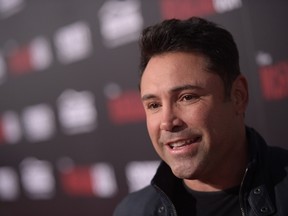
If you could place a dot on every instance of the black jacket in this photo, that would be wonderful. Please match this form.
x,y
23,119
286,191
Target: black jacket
x,y
263,192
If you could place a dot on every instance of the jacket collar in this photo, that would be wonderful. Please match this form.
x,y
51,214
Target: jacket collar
x,y
165,179
255,185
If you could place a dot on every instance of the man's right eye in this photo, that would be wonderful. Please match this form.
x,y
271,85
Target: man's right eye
x,y
153,106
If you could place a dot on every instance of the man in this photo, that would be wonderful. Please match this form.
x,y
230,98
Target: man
x,y
195,100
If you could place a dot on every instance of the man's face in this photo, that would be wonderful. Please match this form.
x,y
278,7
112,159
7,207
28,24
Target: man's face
x,y
192,126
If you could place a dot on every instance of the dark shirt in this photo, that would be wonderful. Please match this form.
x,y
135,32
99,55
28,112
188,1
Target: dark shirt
x,y
188,202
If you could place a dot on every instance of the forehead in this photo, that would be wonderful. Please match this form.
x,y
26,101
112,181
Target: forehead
x,y
175,69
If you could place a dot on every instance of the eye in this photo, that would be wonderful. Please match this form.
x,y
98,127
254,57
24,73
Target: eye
x,y
153,106
189,97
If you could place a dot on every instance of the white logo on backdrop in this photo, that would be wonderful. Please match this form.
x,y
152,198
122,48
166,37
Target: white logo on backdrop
x,y
121,22
41,54
222,6
37,178
38,122
77,111
9,186
10,7
264,58
140,173
73,42
103,180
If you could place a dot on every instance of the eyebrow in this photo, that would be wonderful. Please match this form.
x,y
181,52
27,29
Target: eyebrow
x,y
173,90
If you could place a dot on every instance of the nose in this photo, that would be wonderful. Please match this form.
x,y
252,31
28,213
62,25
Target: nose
x,y
170,120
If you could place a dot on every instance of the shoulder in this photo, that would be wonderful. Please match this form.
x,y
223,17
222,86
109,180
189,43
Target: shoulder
x,y
142,202
278,160
278,156
278,164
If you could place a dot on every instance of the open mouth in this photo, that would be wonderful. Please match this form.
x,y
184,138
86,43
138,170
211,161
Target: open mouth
x,y
182,143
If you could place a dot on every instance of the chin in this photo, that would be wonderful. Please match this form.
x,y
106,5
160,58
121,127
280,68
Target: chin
x,y
183,171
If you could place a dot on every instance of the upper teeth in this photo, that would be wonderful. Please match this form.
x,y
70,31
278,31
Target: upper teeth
x,y
180,143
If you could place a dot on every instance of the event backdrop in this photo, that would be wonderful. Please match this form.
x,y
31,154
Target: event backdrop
x,y
73,139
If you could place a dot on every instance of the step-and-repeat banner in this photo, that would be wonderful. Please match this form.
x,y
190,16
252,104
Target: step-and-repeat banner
x,y
73,138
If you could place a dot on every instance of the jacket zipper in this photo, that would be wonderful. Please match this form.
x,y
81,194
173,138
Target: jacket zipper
x,y
241,193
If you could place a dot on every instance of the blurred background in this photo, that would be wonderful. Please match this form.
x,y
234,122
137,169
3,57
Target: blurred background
x,y
73,138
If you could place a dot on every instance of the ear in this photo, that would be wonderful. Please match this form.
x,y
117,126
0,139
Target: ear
x,y
239,94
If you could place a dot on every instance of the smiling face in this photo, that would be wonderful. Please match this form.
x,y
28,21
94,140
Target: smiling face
x,y
192,126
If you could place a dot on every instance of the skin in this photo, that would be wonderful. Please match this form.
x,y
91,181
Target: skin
x,y
186,108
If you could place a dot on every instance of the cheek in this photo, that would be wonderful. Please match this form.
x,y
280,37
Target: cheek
x,y
153,128
154,134
214,121
198,116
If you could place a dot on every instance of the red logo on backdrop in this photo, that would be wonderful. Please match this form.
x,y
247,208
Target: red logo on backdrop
x,y
274,81
97,179
183,9
77,181
36,55
19,61
126,108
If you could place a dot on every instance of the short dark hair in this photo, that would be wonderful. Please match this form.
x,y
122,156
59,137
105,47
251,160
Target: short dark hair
x,y
193,35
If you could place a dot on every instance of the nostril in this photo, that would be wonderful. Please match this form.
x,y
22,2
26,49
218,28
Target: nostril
x,y
171,127
177,128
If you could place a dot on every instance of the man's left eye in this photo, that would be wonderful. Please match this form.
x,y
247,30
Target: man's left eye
x,y
189,97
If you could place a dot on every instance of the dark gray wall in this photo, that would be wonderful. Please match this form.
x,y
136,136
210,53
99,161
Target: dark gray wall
x,y
73,138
